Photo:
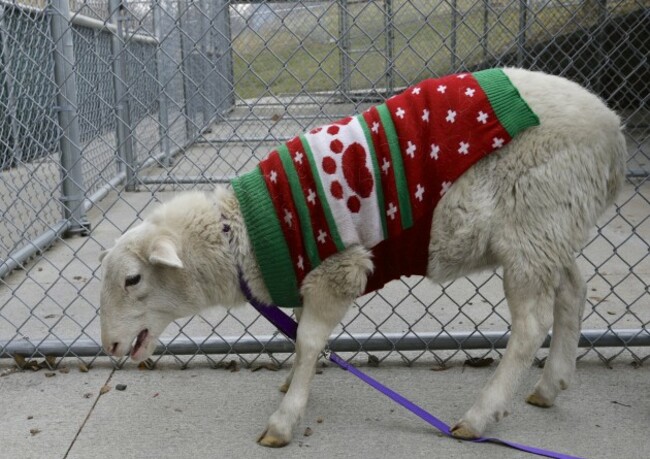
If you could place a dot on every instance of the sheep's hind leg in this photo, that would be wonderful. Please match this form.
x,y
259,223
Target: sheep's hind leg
x,y
531,306
570,298
287,382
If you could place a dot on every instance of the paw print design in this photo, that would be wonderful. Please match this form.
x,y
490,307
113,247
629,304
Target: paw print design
x,y
354,172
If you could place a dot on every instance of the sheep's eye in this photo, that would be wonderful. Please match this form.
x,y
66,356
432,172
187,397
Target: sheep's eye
x,y
132,280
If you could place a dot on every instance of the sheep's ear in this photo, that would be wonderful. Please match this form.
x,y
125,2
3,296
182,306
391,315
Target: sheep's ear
x,y
163,252
102,254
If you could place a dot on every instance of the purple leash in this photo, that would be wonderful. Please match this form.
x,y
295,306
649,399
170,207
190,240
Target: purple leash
x,y
289,328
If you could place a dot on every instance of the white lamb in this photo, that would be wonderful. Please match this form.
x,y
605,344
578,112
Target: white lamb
x,y
527,207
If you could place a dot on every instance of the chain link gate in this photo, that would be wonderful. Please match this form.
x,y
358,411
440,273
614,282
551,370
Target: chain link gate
x,y
110,106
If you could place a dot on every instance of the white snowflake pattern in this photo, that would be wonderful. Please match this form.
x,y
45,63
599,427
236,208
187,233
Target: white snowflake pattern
x,y
375,127
311,196
392,210
301,263
463,148
273,176
322,236
441,88
425,115
435,151
385,166
410,150
416,90
470,92
400,112
288,217
445,188
419,193
451,116
498,142
298,157
462,76
482,117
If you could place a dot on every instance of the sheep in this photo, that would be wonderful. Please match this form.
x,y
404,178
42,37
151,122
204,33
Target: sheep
x,y
527,207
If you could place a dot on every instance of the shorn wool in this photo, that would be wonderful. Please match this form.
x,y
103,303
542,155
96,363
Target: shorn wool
x,y
374,179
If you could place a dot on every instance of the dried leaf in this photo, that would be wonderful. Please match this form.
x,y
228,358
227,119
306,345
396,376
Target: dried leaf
x,y
88,395
33,365
267,366
319,420
64,370
49,316
277,117
440,368
104,389
30,417
77,277
83,368
49,374
146,365
478,362
120,387
20,361
308,432
373,361
50,361
34,431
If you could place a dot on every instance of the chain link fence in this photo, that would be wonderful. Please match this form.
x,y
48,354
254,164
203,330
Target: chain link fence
x,y
111,106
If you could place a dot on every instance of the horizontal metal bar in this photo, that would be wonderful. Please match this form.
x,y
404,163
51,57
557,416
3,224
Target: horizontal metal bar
x,y
637,173
92,23
39,244
184,180
360,342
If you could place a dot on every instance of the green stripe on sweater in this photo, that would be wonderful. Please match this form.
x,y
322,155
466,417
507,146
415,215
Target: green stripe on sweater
x,y
301,206
331,223
511,109
398,166
377,172
266,236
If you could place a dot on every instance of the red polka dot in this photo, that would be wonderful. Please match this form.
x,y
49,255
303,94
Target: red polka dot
x,y
333,130
316,130
336,189
336,146
344,121
354,204
329,165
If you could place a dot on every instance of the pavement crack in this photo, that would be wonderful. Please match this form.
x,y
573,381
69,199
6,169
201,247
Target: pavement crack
x,y
92,408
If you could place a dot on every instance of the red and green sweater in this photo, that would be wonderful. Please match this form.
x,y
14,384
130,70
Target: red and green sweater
x,y
374,179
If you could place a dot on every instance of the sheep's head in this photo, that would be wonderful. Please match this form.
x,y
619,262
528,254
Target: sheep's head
x,y
144,288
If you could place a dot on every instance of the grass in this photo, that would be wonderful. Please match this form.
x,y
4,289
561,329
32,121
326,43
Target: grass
x,y
301,53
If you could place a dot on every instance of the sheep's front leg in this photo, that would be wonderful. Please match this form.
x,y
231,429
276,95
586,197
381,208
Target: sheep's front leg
x,y
316,324
327,292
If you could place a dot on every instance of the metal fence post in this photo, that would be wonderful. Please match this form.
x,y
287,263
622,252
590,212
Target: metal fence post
x,y
72,187
344,47
13,142
390,40
486,28
161,70
454,31
189,121
521,37
122,109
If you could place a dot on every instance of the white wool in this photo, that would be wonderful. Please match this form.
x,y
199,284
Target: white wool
x,y
526,208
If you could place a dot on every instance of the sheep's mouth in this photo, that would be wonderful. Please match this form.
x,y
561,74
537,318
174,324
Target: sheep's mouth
x,y
139,341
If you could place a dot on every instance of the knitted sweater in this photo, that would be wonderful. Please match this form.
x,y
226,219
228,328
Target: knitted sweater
x,y
374,179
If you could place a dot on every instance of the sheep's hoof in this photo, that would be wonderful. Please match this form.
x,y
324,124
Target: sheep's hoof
x,y
538,400
271,441
464,431
284,388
